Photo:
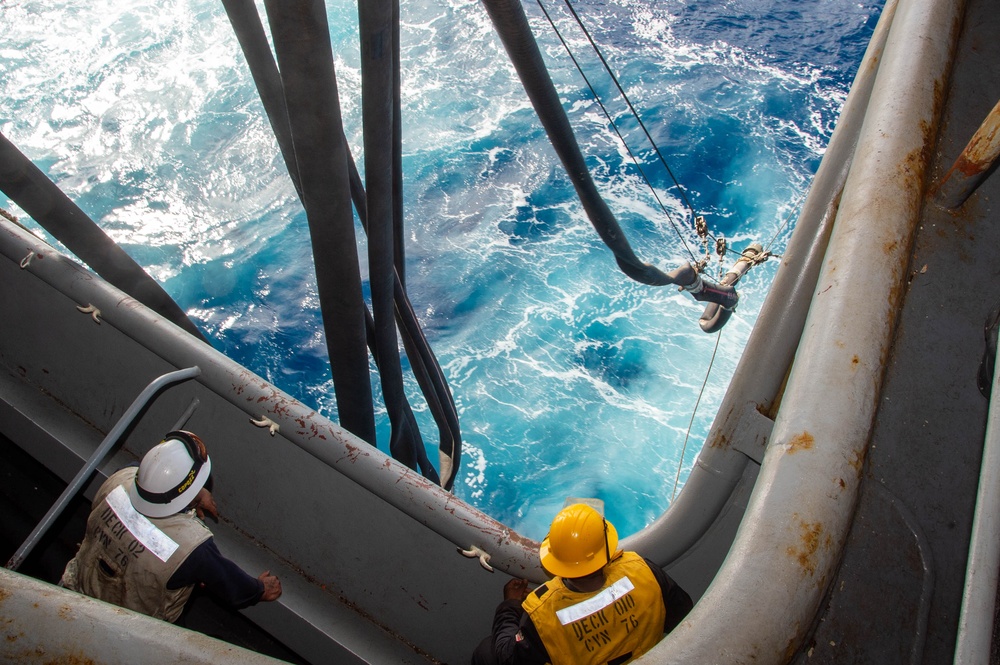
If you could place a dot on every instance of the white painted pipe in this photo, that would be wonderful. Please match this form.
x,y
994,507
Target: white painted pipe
x,y
43,623
762,603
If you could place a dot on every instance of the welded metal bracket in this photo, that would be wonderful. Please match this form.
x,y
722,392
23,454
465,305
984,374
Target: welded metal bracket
x,y
753,431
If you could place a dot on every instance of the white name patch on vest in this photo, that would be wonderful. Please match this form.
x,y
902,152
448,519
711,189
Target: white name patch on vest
x,y
568,615
147,533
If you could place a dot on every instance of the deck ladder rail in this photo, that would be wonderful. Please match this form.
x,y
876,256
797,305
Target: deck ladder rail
x,y
83,475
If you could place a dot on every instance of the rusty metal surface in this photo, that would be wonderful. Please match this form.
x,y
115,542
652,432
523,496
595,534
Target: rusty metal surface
x,y
41,623
973,165
796,525
927,444
878,613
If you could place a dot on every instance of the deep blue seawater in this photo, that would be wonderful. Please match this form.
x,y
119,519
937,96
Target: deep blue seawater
x,y
570,379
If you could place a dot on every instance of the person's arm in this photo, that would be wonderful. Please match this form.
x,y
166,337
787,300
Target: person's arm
x,y
515,640
223,578
675,599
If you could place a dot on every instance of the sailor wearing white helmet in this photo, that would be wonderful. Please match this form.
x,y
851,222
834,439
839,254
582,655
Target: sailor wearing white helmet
x,y
146,546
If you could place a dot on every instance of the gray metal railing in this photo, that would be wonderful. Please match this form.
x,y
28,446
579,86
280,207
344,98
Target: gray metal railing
x,y
424,501
140,402
982,574
772,343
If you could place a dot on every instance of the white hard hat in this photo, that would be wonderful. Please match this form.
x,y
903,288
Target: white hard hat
x,y
170,475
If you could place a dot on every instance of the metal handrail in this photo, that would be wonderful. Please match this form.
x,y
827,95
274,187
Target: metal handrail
x,y
97,457
982,574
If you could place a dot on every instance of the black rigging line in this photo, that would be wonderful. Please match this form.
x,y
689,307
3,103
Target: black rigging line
x,y
425,366
628,102
635,114
621,138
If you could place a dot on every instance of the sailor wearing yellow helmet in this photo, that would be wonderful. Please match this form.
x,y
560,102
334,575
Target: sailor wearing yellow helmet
x,y
603,605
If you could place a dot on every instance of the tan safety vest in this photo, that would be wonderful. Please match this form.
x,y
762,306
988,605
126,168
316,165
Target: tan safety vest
x,y
115,566
620,621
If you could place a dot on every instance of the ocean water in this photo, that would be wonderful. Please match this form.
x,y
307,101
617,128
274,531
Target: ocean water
x,y
570,379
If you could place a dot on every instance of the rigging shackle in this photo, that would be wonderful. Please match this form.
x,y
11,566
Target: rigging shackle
x,y
721,247
701,227
716,315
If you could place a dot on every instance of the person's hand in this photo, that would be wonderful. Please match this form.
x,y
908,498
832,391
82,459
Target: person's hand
x,y
272,586
204,504
515,589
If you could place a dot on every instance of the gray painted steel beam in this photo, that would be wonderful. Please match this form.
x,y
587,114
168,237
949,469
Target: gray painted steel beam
x,y
43,623
329,443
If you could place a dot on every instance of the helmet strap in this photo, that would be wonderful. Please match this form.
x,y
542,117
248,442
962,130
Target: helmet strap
x,y
195,446
199,455
607,547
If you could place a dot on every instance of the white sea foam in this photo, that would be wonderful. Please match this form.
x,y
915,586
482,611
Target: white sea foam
x,y
569,378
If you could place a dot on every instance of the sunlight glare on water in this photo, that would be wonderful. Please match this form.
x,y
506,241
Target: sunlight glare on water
x,y
570,379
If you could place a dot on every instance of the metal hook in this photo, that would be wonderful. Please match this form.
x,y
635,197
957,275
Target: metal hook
x,y
484,558
268,423
93,311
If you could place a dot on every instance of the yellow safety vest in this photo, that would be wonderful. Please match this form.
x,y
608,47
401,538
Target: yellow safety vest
x,y
622,620
113,565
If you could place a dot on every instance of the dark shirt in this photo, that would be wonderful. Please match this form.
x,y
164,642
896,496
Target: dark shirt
x,y
221,577
516,642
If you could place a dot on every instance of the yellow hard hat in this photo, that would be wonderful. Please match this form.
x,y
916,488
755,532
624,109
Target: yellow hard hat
x,y
580,542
